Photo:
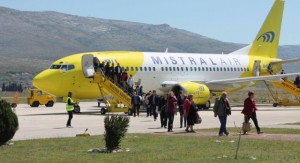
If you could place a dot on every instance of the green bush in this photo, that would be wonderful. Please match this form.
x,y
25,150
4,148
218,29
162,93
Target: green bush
x,y
8,122
115,129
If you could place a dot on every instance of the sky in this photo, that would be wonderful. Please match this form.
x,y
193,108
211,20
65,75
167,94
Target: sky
x,y
235,21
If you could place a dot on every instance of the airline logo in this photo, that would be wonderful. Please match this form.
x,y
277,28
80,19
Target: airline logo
x,y
267,37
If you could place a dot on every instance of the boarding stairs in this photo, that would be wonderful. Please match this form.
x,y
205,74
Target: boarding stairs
x,y
281,98
119,93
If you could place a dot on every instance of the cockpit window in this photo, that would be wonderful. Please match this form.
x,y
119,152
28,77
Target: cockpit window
x,y
70,67
64,67
55,66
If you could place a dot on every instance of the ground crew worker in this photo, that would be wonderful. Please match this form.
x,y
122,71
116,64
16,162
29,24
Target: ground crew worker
x,y
70,108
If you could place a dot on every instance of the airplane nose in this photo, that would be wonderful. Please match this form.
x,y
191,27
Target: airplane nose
x,y
42,80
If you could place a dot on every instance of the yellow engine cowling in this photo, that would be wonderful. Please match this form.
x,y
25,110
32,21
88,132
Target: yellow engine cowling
x,y
200,91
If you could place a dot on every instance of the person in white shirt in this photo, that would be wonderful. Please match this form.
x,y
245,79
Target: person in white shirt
x,y
130,82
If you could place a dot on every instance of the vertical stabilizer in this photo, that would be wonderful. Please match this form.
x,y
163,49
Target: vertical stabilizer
x,y
267,40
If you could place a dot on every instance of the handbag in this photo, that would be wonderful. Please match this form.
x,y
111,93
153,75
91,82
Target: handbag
x,y
246,126
198,119
228,111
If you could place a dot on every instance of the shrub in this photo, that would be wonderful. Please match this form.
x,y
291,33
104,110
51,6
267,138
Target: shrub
x,y
8,122
115,129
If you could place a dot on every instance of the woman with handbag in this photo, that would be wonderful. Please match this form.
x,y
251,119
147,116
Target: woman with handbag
x,y
222,110
189,112
249,111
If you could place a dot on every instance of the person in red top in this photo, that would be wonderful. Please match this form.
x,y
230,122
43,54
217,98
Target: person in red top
x,y
186,109
250,111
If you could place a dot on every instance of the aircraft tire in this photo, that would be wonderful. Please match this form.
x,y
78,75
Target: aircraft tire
x,y
76,108
275,105
207,105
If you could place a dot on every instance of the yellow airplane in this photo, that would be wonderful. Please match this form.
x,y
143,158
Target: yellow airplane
x,y
198,74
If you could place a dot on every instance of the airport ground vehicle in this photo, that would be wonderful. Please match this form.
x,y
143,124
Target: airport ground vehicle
x,y
36,97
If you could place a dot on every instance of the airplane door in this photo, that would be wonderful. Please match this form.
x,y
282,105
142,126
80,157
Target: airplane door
x,y
256,68
88,65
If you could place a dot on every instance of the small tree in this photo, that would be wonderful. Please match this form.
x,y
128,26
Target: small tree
x,y
115,129
8,122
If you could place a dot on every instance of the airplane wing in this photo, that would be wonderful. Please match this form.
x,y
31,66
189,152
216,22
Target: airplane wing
x,y
286,61
252,79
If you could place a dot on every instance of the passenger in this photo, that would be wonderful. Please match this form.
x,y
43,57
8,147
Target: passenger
x,y
70,108
118,72
136,103
149,112
96,64
140,90
162,108
171,109
112,72
270,69
187,106
154,103
130,82
180,101
222,110
249,111
297,81
283,72
101,66
191,115
124,78
107,70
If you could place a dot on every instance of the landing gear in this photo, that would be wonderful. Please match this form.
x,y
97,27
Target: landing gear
x,y
35,104
76,108
207,105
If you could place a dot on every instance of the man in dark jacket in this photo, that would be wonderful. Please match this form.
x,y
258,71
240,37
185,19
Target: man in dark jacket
x,y
136,103
180,101
250,111
154,103
118,72
222,110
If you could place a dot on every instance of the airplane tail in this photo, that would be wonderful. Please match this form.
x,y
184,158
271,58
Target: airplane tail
x,y
267,39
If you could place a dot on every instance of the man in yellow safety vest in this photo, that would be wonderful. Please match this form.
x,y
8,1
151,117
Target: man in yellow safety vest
x,y
70,108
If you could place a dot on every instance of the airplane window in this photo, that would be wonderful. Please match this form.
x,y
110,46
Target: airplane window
x,y
64,67
234,69
203,69
238,69
199,68
178,69
70,67
55,66
221,69
141,68
149,68
145,68
166,68
162,68
154,69
210,69
231,69
187,69
206,68
182,69
195,68
122,68
132,69
191,68
136,69
228,69
127,68
174,69
214,69
170,68
217,68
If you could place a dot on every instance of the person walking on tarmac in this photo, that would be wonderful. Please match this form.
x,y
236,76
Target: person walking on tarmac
x,y
249,111
70,108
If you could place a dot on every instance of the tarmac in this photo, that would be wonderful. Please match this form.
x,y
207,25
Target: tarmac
x,y
44,122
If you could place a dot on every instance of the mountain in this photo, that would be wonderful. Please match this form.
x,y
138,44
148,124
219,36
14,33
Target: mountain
x,y
30,41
